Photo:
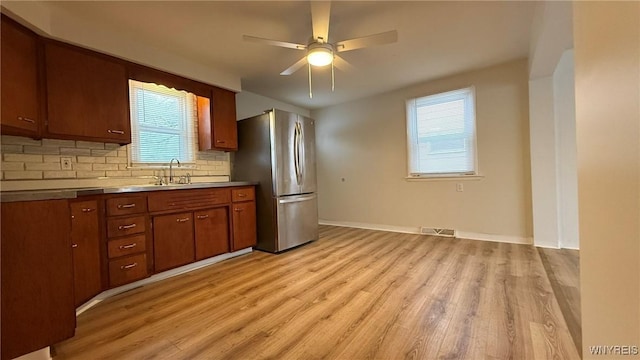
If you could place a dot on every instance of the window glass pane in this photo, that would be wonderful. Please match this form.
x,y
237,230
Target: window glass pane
x,y
442,134
161,124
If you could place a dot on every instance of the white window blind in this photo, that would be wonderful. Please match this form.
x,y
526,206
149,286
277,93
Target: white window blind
x,y
441,134
161,124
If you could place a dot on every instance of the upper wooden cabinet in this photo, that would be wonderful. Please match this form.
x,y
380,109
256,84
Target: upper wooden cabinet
x,y
20,97
217,128
87,95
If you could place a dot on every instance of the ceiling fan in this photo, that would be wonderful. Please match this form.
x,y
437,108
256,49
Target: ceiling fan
x,y
321,52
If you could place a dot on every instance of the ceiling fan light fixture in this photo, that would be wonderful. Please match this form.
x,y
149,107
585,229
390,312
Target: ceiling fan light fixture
x,y
320,55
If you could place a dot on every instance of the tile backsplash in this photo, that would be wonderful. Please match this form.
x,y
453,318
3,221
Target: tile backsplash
x,y
27,159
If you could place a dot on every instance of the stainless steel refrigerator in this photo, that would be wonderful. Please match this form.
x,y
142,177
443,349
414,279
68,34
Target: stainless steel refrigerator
x,y
277,149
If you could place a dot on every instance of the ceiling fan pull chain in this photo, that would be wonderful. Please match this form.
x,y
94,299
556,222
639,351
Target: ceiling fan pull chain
x,y
333,79
310,93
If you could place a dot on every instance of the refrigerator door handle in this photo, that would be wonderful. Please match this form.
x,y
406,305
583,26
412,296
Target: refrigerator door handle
x,y
297,199
296,151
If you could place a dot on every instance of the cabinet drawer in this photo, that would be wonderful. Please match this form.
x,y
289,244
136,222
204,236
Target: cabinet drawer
x,y
128,269
127,246
243,194
188,199
126,205
126,226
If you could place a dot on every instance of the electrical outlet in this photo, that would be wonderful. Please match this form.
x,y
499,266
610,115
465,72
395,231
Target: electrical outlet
x,y
65,163
459,187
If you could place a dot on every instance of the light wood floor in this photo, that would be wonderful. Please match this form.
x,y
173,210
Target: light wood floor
x,y
353,294
563,269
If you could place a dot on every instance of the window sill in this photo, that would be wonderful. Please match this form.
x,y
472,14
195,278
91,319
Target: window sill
x,y
445,178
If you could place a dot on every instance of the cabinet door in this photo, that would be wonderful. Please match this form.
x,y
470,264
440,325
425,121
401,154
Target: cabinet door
x,y
88,95
244,225
37,276
173,244
212,232
225,129
19,80
85,242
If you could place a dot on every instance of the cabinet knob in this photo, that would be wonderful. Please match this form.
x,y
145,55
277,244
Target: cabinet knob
x,y
119,132
21,118
74,245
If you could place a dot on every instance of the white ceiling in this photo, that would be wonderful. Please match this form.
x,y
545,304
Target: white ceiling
x,y
435,39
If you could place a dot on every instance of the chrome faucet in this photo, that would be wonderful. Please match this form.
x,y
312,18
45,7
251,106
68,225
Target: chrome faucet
x,y
171,169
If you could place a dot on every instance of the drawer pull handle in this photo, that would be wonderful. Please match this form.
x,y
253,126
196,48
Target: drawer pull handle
x,y
126,206
26,119
127,267
183,219
202,216
129,246
242,195
126,227
119,132
88,210
220,141
74,245
237,209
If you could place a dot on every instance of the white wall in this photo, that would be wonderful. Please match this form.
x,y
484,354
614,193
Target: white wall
x,y
567,167
553,157
607,75
249,104
544,178
362,161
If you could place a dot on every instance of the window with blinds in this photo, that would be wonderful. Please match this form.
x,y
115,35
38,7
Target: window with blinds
x,y
441,134
161,124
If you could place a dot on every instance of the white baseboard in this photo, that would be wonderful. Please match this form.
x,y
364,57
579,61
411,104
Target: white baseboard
x,y
494,237
391,228
158,277
416,230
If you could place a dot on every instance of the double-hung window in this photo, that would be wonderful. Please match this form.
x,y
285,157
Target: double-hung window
x,y
441,134
162,124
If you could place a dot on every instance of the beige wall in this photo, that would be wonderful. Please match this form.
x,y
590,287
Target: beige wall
x,y
364,143
607,76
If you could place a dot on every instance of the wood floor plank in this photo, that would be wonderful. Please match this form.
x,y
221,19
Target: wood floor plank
x,y
353,294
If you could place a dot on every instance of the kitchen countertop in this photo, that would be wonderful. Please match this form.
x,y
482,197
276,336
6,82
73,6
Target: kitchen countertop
x,y
53,194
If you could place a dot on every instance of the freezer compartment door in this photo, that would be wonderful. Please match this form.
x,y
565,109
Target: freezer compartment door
x,y
297,220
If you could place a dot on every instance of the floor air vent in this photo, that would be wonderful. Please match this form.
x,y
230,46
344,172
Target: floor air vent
x,y
437,232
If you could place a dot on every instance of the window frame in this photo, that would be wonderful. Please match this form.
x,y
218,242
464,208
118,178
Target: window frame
x,y
468,95
188,131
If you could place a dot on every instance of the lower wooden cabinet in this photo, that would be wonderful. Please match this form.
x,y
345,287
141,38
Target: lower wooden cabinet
x,y
173,243
244,225
37,276
211,232
85,242
127,269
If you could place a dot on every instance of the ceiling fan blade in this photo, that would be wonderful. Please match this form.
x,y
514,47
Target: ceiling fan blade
x,y
283,44
341,63
365,41
295,67
320,13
